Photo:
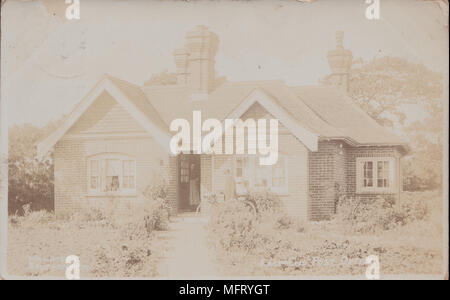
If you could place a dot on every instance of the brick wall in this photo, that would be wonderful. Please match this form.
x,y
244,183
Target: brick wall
x,y
70,156
353,153
326,171
332,171
70,177
172,195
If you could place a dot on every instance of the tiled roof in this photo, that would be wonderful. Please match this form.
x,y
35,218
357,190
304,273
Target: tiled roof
x,y
323,110
135,94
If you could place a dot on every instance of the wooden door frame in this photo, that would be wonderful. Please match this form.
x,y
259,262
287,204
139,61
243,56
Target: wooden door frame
x,y
181,205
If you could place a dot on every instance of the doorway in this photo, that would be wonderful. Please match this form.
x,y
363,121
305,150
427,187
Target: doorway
x,y
188,182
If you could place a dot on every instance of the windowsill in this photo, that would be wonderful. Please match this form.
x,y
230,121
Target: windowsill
x,y
376,191
275,191
112,194
280,191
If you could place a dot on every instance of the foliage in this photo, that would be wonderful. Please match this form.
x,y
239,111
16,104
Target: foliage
x,y
280,244
236,227
423,169
359,215
30,180
30,218
124,235
264,201
147,213
157,195
285,221
136,225
107,246
384,84
387,88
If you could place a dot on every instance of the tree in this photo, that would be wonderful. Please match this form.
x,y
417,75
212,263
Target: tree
x,y
384,87
30,180
423,169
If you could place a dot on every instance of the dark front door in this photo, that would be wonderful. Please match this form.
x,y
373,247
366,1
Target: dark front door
x,y
188,181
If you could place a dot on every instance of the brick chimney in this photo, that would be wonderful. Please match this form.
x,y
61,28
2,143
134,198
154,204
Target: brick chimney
x,y
195,62
181,61
340,61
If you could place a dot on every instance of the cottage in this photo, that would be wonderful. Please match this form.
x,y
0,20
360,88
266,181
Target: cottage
x,y
117,139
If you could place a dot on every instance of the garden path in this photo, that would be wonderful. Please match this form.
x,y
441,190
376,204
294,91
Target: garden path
x,y
187,255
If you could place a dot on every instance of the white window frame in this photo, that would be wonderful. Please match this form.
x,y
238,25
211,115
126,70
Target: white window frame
x,y
101,185
393,171
249,174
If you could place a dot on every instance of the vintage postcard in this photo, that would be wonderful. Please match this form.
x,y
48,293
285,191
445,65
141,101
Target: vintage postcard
x,y
224,139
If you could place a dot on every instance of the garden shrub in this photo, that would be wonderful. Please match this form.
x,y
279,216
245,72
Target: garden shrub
x,y
233,226
157,208
236,229
285,221
30,218
382,213
264,201
133,250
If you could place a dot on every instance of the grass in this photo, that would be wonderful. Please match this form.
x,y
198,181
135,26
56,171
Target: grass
x,y
276,247
127,245
107,245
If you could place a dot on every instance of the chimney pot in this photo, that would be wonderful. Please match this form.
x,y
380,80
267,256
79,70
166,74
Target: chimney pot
x,y
340,61
195,63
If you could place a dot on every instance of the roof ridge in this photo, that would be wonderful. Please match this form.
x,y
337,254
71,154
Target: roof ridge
x,y
121,80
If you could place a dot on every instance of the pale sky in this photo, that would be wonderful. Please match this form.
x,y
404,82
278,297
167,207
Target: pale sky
x,y
49,63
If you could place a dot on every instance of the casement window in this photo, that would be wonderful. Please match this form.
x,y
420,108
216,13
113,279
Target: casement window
x,y
128,174
111,173
184,169
94,179
249,174
376,174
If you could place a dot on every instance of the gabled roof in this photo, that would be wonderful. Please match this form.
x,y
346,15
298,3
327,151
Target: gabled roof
x,y
322,111
134,94
129,96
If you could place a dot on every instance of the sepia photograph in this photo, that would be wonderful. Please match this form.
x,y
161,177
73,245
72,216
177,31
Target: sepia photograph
x,y
224,140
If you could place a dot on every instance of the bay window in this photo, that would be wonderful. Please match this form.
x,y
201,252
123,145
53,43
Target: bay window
x,y
111,174
375,174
